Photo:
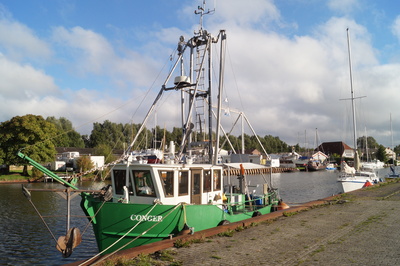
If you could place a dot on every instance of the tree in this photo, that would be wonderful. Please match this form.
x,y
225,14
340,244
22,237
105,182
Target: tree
x,y
67,137
362,141
397,150
381,154
106,151
108,133
31,133
84,163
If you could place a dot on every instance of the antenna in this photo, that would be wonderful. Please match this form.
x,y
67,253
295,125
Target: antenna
x,y
201,11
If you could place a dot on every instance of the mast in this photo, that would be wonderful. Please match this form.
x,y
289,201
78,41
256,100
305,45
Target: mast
x,y
202,37
220,87
391,134
356,163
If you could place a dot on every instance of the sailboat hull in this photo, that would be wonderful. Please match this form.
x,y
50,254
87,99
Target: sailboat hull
x,y
351,185
357,180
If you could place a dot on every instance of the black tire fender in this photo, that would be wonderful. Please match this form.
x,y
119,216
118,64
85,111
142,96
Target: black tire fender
x,y
224,222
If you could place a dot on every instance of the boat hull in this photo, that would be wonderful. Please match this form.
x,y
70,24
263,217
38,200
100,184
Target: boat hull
x,y
357,181
125,225
351,185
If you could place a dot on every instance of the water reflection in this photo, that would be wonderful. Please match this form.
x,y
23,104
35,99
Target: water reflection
x,y
296,187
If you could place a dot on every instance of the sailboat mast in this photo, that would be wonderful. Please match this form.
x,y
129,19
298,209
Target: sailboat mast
x,y
353,109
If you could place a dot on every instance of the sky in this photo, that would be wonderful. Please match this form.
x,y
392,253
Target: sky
x,y
287,64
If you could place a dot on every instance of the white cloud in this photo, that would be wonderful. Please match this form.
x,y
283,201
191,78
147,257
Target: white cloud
x,y
19,42
343,6
396,28
90,50
246,13
285,84
24,81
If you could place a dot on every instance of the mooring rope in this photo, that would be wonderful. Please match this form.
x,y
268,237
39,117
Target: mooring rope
x,y
44,222
92,217
179,204
98,254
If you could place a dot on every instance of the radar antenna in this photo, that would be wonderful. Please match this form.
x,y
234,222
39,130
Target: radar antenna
x,y
201,11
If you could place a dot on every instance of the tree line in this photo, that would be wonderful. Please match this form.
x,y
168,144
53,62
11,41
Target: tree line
x,y
38,137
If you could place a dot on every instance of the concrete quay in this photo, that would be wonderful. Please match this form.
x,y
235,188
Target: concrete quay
x,y
359,228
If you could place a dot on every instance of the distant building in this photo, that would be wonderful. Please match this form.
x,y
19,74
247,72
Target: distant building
x,y
390,154
337,147
66,158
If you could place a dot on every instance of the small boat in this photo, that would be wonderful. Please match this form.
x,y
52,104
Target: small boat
x,y
191,191
315,165
301,163
288,160
374,164
331,166
392,173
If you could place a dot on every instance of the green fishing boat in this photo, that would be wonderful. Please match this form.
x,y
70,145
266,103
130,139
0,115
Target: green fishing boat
x,y
182,192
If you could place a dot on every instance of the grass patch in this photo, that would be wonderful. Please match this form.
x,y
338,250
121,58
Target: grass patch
x,y
141,260
15,175
344,225
370,220
227,233
239,228
166,256
288,214
179,243
320,249
117,261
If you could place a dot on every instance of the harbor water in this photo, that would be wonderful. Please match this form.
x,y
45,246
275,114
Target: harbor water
x,y
26,241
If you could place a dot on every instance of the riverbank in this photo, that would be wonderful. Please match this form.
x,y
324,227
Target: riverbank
x,y
12,180
358,228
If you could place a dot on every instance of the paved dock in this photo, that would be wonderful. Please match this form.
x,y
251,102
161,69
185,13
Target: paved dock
x,y
357,228
362,228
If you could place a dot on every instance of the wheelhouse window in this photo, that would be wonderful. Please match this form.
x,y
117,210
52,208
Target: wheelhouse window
x,y
144,185
217,180
183,183
119,181
207,181
167,180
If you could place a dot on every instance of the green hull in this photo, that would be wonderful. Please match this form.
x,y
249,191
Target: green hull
x,y
113,223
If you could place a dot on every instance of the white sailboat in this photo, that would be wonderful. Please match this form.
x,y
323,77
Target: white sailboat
x,y
370,164
352,178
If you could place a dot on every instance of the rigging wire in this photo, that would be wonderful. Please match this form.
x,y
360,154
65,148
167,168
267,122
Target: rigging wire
x,y
106,114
